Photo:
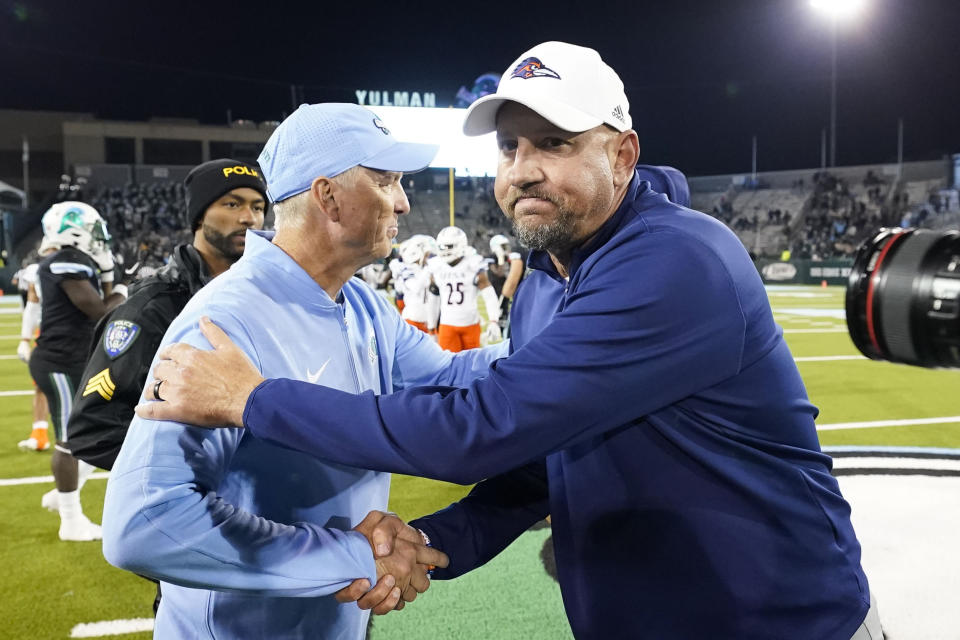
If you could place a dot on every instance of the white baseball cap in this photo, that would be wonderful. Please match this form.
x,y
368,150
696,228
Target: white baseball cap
x,y
568,85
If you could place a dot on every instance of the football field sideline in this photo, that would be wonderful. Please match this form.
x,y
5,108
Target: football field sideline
x,y
893,432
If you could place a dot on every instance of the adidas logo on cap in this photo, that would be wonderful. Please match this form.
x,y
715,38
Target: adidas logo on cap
x,y
618,113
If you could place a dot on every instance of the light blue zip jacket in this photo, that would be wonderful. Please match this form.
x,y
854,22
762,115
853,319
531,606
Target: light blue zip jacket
x,y
250,539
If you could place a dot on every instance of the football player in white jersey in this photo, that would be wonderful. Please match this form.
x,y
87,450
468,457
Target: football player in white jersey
x,y
39,439
506,270
460,274
421,304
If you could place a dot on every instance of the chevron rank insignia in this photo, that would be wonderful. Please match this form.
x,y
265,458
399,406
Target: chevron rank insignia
x,y
102,384
118,337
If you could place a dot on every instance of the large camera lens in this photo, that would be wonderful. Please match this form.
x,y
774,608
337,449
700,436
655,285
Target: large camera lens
x,y
903,297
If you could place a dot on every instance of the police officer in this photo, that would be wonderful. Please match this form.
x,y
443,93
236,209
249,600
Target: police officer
x,y
224,199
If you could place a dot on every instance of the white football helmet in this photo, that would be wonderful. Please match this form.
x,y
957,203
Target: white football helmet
x,y
48,245
417,247
75,224
500,245
452,243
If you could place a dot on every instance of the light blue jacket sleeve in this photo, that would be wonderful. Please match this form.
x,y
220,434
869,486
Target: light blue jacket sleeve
x,y
163,517
419,361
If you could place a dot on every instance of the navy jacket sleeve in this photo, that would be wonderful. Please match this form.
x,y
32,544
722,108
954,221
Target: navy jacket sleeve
x,y
635,335
488,519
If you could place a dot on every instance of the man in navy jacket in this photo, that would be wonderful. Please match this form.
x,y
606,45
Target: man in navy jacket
x,y
649,403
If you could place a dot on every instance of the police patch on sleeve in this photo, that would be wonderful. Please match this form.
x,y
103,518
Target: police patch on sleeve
x,y
119,336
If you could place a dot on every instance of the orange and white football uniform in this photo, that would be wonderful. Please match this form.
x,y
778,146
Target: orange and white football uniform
x,y
420,306
459,327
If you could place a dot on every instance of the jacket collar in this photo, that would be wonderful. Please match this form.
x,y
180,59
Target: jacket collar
x,y
186,267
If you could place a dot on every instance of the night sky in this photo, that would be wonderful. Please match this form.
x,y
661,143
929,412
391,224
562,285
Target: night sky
x,y
702,77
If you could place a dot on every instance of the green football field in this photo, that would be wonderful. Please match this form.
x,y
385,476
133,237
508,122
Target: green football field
x,y
52,589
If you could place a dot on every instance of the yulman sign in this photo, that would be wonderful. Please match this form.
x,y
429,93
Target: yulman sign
x,y
395,98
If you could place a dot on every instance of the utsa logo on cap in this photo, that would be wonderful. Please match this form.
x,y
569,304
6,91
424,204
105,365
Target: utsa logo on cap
x,y
533,68
240,169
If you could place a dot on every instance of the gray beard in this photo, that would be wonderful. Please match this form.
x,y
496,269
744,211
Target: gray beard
x,y
555,237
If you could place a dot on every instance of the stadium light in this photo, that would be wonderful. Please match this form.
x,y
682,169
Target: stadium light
x,y
468,156
836,10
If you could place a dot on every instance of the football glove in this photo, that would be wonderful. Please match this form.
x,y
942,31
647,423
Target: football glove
x,y
492,333
23,350
105,263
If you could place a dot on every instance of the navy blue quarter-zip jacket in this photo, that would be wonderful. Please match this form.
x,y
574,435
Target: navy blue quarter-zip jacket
x,y
688,493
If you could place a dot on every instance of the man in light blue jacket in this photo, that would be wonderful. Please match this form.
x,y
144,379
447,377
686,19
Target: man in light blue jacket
x,y
250,539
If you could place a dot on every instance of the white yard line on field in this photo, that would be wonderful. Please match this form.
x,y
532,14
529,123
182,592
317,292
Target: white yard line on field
x,y
835,330
13,482
111,628
7,394
827,358
887,423
808,312
866,462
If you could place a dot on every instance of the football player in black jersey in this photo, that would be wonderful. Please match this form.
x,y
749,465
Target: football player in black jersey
x,y
76,291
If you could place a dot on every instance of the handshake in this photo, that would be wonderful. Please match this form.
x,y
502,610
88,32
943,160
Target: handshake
x,y
403,561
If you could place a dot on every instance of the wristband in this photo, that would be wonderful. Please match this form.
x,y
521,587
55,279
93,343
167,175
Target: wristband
x,y
426,542
121,289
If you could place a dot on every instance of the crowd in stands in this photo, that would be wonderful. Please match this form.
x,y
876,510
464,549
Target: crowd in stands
x,y
838,219
148,220
940,210
476,210
837,213
723,210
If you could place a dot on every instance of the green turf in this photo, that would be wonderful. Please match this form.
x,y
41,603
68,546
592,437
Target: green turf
x,y
413,497
820,344
860,390
50,586
493,602
14,427
935,435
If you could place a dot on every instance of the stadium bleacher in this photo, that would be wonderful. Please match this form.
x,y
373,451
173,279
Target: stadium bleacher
x,y
147,220
813,214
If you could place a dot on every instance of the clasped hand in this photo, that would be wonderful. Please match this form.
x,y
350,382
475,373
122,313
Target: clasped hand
x,y
402,561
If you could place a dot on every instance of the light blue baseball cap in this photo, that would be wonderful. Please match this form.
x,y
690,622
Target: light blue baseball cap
x,y
326,140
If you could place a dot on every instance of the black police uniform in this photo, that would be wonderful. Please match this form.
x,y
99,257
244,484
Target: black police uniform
x,y
124,345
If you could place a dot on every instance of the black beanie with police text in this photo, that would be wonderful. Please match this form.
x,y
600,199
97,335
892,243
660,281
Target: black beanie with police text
x,y
207,182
